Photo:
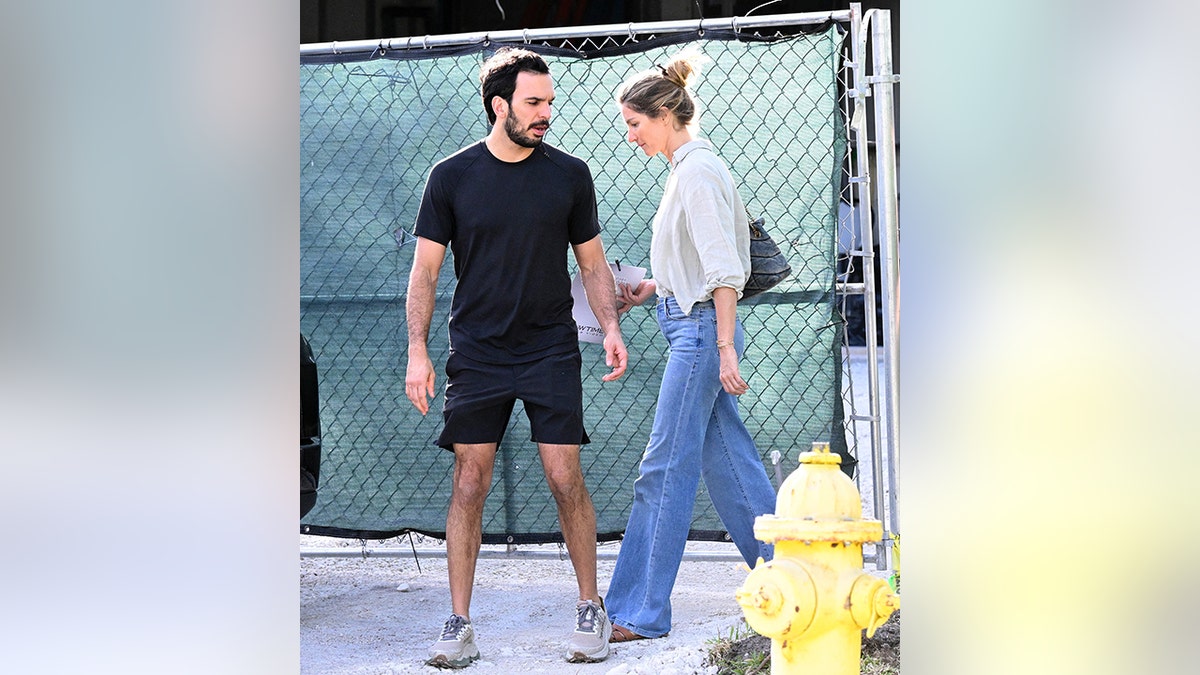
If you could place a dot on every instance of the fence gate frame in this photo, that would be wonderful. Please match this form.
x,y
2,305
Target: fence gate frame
x,y
871,179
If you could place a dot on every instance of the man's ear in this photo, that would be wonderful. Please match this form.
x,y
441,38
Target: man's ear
x,y
499,106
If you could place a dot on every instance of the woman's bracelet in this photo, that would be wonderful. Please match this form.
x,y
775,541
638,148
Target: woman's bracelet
x,y
721,344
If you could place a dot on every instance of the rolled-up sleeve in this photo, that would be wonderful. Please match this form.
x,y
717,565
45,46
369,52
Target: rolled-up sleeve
x,y
709,213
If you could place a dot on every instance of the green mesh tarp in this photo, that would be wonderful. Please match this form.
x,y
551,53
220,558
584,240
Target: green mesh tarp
x,y
371,129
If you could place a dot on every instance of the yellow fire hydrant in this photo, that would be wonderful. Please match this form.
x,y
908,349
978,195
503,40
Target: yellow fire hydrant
x,y
813,599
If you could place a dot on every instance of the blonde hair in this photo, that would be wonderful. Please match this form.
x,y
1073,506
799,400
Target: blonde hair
x,y
665,86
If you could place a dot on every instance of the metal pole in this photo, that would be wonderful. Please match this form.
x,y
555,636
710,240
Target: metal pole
x,y
655,27
885,158
863,210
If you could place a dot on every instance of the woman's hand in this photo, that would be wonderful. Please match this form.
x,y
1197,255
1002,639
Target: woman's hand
x,y
629,297
731,379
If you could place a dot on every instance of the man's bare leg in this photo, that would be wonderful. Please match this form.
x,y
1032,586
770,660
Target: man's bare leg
x,y
464,521
576,514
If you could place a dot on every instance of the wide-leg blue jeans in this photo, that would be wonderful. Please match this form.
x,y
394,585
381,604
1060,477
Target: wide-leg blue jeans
x,y
697,433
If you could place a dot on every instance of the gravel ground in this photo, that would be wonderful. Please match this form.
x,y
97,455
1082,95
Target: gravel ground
x,y
379,614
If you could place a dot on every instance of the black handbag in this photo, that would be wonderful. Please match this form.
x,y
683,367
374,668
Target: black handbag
x,y
767,264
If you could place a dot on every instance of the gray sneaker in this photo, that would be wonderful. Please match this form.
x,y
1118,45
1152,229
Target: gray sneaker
x,y
456,648
589,642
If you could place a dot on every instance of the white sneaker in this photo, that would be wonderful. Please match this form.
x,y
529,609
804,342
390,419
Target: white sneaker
x,y
589,642
456,647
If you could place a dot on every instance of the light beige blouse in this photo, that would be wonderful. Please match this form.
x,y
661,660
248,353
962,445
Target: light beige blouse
x,y
701,237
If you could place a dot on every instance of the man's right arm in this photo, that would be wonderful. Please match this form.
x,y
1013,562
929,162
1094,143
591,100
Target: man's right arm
x,y
422,291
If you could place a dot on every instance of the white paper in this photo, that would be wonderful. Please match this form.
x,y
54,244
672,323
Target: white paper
x,y
589,327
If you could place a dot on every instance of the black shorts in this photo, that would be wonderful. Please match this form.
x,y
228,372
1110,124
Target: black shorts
x,y
480,398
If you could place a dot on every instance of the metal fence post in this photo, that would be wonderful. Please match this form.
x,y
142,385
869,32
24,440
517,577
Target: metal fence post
x,y
889,240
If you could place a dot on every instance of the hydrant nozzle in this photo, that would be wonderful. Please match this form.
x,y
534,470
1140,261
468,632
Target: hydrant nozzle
x,y
778,598
871,602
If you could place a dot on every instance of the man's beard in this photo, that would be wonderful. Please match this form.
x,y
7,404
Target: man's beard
x,y
516,136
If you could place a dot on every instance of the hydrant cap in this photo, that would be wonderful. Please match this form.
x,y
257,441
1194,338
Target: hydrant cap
x,y
818,490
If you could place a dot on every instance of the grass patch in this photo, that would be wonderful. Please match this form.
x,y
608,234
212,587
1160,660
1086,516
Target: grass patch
x,y
741,652
870,665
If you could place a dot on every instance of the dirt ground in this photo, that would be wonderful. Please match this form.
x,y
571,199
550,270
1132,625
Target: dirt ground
x,y
884,645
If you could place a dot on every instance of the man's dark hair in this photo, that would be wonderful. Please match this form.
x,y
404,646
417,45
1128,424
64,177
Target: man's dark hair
x,y
498,76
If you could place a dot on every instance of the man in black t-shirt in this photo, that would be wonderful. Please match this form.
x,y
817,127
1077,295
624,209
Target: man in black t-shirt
x,y
509,207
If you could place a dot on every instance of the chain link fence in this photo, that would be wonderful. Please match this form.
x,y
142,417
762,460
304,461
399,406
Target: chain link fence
x,y
372,126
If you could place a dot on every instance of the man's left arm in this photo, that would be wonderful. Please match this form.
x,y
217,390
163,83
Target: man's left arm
x,y
601,289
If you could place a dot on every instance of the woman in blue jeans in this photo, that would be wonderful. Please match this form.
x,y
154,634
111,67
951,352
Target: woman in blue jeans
x,y
700,257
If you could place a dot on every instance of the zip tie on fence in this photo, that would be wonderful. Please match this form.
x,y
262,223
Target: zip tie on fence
x,y
525,33
632,37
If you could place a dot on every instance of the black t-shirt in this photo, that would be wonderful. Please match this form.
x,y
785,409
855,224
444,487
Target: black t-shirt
x,y
509,226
